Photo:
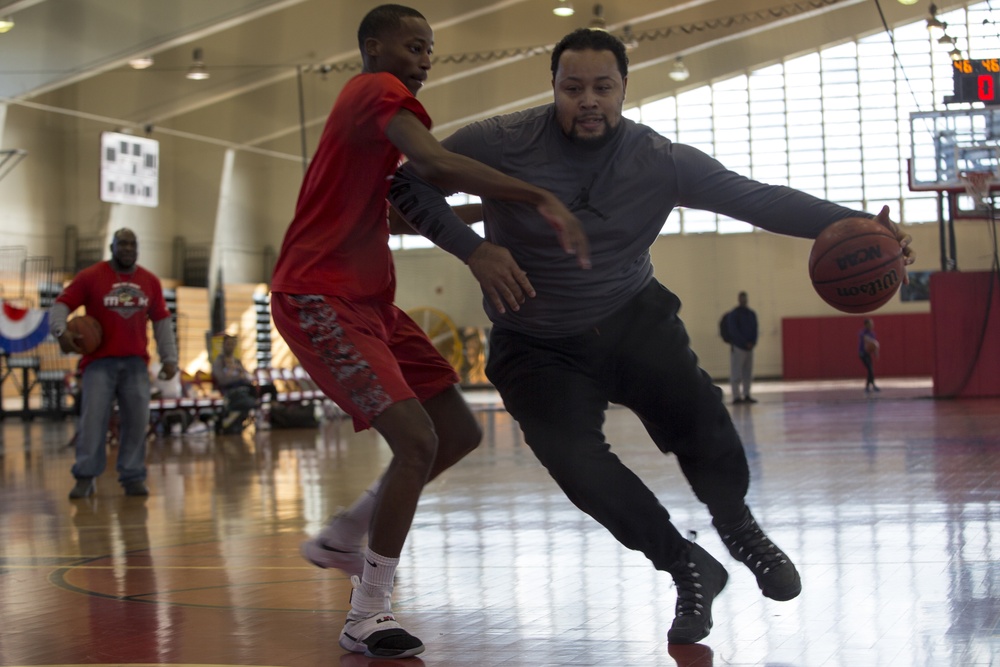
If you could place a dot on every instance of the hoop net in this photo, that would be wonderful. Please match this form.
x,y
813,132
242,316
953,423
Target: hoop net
x,y
978,185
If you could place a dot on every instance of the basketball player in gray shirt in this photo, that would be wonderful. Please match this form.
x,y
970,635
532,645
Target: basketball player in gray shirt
x,y
571,336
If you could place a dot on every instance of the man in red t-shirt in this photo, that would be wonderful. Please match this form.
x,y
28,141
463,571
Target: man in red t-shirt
x,y
332,301
121,295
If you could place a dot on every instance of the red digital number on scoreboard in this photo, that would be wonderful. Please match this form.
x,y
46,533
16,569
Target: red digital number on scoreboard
x,y
987,89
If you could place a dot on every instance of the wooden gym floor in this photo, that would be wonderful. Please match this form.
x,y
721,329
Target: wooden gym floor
x,y
889,505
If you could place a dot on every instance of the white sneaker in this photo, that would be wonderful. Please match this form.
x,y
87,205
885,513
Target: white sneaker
x,y
376,634
196,428
337,546
320,555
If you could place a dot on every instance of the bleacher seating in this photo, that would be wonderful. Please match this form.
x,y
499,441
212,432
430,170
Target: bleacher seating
x,y
204,402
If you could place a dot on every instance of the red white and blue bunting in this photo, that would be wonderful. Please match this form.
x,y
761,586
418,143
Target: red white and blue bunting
x,y
21,329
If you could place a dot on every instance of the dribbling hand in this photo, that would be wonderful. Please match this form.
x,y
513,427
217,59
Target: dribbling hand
x,y
909,254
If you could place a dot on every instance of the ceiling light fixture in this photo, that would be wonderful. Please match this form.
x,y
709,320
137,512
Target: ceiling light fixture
x,y
563,8
6,23
908,2
679,71
598,22
955,54
946,39
197,71
933,23
143,62
629,39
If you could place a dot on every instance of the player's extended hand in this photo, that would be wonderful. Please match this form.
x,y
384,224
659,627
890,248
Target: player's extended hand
x,y
500,277
570,230
67,342
909,254
168,370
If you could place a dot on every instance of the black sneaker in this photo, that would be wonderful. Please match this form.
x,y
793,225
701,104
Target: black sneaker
x,y
699,579
84,488
136,488
776,575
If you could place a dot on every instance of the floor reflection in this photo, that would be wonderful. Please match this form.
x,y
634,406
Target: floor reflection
x,y
889,505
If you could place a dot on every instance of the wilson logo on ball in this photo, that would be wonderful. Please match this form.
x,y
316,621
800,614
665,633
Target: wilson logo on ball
x,y
856,265
889,281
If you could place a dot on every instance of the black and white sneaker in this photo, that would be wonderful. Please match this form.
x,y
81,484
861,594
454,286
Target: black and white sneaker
x,y
376,634
335,548
319,554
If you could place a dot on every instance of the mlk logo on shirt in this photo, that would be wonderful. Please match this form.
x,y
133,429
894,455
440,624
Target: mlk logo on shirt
x,y
126,299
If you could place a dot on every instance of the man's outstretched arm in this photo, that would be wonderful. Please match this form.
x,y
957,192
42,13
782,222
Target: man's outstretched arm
x,y
435,164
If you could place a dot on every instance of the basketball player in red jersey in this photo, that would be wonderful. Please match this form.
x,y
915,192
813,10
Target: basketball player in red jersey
x,y
332,301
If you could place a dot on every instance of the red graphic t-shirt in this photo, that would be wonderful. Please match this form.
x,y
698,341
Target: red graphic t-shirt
x,y
121,302
337,243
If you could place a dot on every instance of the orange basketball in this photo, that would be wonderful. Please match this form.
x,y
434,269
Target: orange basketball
x,y
871,346
856,265
87,332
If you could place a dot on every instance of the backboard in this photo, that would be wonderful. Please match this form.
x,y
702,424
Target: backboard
x,y
947,145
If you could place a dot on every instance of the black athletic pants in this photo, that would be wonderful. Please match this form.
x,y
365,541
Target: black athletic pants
x,y
866,359
559,389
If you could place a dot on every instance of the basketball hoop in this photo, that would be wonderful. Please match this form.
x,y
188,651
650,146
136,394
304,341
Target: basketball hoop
x,y
978,185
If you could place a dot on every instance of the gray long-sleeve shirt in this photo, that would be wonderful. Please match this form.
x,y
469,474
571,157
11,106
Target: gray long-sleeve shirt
x,y
622,192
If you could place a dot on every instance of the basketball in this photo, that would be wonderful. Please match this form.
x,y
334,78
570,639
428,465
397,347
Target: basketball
x,y
871,346
87,332
856,265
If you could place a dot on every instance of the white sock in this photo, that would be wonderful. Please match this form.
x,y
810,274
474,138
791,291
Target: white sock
x,y
376,585
378,573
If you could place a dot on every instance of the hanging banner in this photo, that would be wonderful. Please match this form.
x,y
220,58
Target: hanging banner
x,y
21,329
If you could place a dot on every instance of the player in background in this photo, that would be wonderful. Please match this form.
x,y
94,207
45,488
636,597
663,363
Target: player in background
x,y
122,296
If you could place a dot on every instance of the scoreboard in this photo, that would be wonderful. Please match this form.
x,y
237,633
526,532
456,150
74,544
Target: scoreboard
x,y
976,81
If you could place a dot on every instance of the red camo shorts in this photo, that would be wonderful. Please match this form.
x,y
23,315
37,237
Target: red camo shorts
x,y
365,356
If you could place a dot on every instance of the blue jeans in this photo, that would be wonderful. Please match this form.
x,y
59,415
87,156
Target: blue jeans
x,y
105,380
558,390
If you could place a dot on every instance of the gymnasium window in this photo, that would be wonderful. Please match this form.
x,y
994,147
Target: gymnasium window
x,y
834,123
413,241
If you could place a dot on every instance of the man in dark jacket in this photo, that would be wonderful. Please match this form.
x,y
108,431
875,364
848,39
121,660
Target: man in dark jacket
x,y
742,340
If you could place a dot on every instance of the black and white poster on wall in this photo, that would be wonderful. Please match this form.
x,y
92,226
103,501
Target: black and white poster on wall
x,y
129,169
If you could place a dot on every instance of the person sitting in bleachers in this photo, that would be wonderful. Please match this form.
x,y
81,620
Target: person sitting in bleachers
x,y
236,386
